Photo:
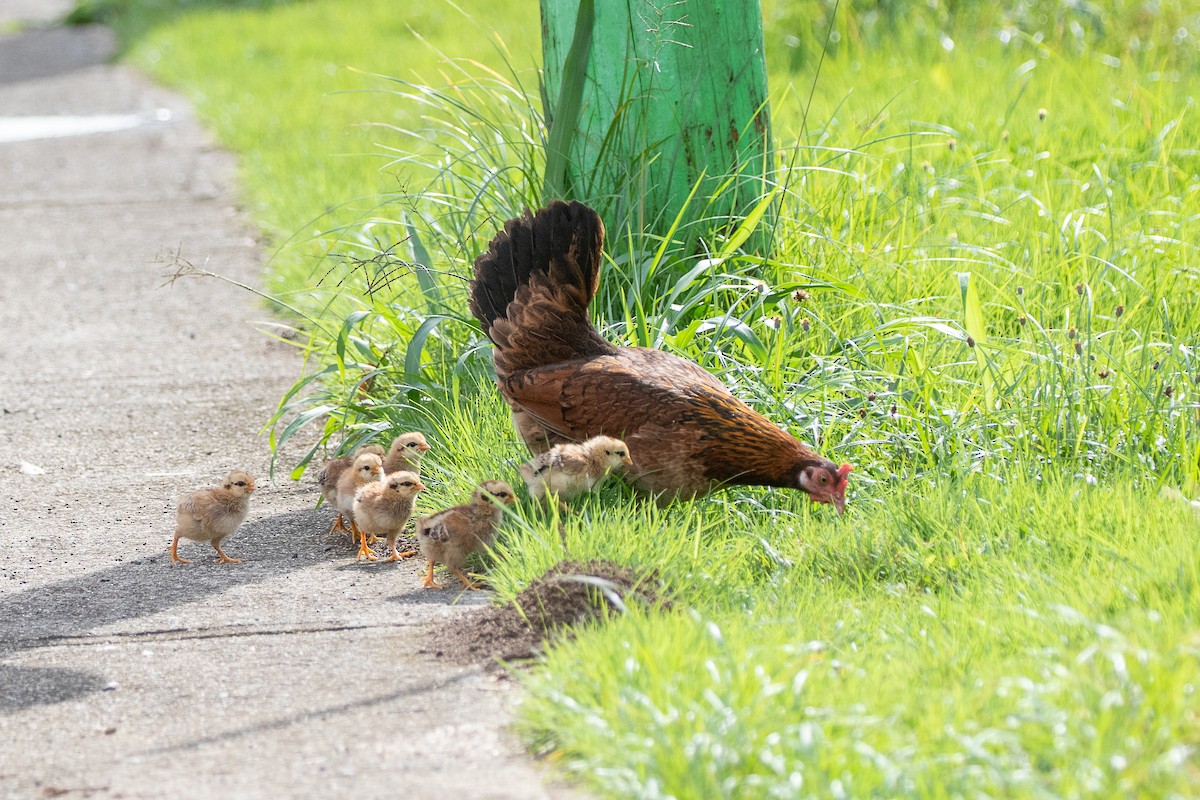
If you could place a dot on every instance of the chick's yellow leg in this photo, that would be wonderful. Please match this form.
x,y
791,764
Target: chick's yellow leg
x,y
394,554
428,582
466,582
364,549
175,557
339,524
221,557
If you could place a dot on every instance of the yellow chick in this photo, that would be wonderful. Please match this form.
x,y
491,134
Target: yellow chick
x,y
367,468
210,515
384,507
329,475
406,453
569,470
450,536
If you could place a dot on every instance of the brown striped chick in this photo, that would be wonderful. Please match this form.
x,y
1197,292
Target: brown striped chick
x,y
328,477
367,468
384,507
566,471
450,536
406,453
210,515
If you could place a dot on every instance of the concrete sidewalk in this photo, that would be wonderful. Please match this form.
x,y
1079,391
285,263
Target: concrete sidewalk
x,y
295,674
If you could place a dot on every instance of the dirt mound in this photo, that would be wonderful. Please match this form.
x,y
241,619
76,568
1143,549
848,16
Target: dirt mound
x,y
569,593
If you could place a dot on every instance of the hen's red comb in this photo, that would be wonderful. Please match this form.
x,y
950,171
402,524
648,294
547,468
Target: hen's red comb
x,y
843,471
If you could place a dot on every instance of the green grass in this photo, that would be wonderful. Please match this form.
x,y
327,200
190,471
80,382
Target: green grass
x,y
997,324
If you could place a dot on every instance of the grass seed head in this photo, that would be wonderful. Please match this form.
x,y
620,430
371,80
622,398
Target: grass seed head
x,y
801,296
1042,114
1118,311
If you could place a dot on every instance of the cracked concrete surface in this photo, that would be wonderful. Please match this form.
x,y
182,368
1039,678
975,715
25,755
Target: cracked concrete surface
x,y
295,674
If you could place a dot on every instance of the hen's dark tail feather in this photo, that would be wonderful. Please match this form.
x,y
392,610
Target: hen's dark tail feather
x,y
533,285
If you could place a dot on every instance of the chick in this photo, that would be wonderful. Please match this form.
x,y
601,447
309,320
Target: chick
x,y
212,514
385,506
405,453
328,477
367,468
450,536
569,470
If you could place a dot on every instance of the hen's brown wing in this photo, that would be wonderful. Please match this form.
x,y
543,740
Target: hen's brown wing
x,y
613,395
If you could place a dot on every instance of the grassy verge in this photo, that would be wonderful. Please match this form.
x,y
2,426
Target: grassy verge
x,y
983,297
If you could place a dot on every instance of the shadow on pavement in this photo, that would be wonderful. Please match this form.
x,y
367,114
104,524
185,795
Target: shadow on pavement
x,y
23,687
40,616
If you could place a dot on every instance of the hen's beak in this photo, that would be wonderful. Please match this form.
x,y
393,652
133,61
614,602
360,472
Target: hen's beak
x,y
839,502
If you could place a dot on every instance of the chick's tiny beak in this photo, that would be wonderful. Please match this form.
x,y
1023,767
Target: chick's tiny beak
x,y
422,447
420,487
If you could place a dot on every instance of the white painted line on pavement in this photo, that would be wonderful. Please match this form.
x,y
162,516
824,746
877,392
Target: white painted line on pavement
x,y
23,129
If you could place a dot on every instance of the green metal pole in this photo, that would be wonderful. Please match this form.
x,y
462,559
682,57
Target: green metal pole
x,y
670,94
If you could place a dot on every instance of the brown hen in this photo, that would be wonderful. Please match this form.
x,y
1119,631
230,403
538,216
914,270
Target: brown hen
x,y
686,432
